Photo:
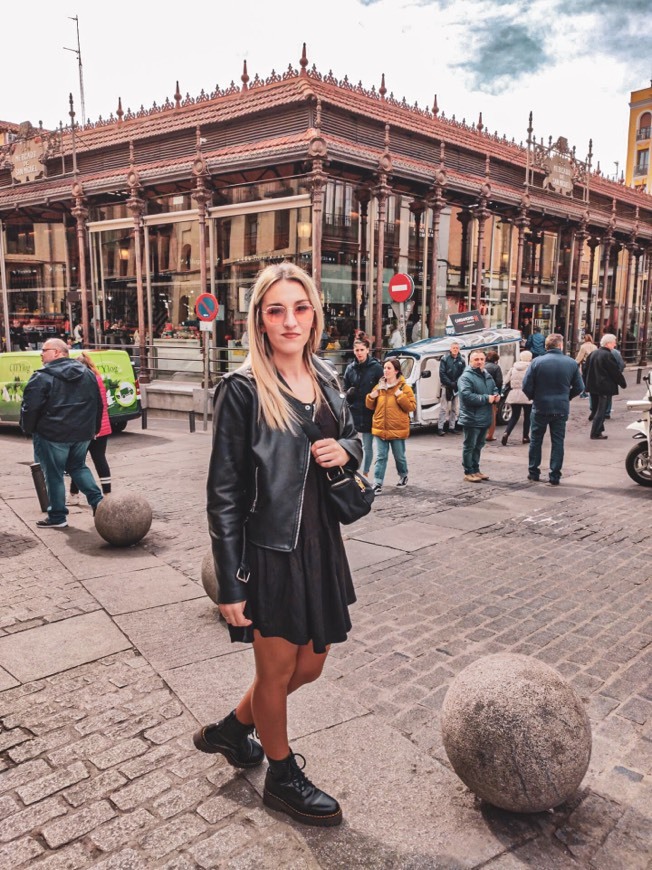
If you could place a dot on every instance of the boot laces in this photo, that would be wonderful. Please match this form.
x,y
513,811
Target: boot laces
x,y
297,776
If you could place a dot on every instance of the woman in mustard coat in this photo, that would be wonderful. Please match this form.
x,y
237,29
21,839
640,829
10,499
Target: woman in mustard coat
x,y
391,400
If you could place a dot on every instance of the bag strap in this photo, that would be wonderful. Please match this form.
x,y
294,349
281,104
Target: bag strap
x,y
312,431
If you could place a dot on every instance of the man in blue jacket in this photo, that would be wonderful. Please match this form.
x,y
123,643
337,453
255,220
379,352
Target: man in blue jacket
x,y
536,343
450,369
551,381
62,410
478,392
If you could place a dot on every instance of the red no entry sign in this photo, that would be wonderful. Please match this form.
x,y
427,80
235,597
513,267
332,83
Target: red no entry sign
x,y
206,307
401,287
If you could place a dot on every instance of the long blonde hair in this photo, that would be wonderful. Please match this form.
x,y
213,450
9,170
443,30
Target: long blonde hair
x,y
273,395
85,358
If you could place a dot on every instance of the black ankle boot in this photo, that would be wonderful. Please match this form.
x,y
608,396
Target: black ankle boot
x,y
231,739
288,790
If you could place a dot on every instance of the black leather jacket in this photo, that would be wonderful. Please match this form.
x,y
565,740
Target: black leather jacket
x,y
257,476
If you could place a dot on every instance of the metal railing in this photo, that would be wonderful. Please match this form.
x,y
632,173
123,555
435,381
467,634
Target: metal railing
x,y
643,133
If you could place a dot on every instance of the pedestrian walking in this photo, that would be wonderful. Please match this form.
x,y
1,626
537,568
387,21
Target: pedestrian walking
x,y
586,349
359,379
604,376
551,382
391,400
97,447
62,410
478,392
284,581
516,398
450,369
536,343
493,368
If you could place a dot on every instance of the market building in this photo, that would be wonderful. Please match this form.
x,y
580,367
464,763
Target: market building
x,y
120,224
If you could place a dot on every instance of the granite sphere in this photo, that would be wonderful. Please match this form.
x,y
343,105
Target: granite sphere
x,y
123,519
209,577
516,733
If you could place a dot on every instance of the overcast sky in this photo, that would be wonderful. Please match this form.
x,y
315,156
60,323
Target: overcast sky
x,y
572,62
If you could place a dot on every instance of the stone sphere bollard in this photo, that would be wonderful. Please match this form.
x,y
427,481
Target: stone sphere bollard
x,y
516,733
209,578
123,518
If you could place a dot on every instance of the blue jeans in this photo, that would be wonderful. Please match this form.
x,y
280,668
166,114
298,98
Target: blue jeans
x,y
474,439
382,452
367,451
538,426
57,457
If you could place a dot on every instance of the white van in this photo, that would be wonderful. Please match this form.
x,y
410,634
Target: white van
x,y
420,366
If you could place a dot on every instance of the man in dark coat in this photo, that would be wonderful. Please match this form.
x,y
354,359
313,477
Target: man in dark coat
x,y
551,381
603,377
450,368
360,378
536,343
62,410
478,392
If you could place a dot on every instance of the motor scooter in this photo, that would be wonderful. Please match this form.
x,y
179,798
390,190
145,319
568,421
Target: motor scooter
x,y
637,462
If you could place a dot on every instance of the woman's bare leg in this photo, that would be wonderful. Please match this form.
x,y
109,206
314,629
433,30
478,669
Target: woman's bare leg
x,y
281,668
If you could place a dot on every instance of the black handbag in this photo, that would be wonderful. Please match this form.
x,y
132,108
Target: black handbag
x,y
350,494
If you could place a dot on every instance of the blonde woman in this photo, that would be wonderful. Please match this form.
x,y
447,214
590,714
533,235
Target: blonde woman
x,y
285,584
97,447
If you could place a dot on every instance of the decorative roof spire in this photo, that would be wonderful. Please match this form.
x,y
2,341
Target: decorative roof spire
x,y
435,107
480,124
303,63
244,78
119,111
383,89
177,97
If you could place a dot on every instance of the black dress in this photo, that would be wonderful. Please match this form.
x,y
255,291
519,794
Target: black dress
x,y
303,595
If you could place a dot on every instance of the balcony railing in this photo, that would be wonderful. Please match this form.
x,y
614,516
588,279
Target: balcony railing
x,y
641,170
643,133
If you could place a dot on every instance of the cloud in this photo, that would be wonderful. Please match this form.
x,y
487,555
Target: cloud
x,y
501,52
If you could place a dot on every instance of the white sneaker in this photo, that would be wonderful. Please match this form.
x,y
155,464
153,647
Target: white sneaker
x,y
73,499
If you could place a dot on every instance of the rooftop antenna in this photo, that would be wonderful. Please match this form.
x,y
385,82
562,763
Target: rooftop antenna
x,y
77,51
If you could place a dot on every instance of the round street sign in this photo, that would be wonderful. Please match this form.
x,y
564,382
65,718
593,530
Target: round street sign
x,y
401,287
206,307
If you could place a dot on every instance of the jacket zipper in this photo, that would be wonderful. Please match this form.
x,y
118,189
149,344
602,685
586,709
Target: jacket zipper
x,y
255,501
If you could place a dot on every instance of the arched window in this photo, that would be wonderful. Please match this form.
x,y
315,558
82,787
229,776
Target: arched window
x,y
644,124
186,252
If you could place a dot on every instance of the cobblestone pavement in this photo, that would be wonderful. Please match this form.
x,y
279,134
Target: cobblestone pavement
x,y
108,659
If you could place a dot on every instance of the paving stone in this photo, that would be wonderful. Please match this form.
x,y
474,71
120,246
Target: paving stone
x,y
182,798
172,835
172,728
77,824
142,790
8,806
70,858
126,860
120,752
16,776
40,745
212,851
58,647
19,852
85,747
122,830
27,820
54,782
98,787
147,588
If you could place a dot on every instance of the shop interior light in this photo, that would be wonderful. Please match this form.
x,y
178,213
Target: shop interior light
x,y
304,229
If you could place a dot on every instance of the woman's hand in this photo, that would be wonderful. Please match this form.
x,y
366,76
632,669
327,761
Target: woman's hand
x,y
374,394
329,453
234,613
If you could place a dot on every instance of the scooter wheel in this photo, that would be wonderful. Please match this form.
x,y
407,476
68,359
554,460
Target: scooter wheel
x,y
637,464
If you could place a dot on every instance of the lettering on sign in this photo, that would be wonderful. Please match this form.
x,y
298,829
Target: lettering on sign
x,y
559,175
26,158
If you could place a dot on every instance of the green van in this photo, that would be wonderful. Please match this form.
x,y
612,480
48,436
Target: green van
x,y
122,388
